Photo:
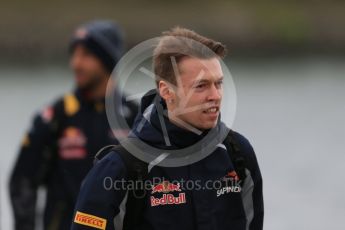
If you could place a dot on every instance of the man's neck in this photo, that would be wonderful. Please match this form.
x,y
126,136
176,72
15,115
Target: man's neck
x,y
99,91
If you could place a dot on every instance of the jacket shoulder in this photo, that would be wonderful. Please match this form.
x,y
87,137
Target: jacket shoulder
x,y
67,104
242,141
246,149
111,163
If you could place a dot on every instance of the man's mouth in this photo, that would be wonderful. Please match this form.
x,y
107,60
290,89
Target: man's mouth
x,y
211,110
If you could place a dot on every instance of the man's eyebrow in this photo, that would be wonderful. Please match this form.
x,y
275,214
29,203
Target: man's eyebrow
x,y
207,80
221,78
201,81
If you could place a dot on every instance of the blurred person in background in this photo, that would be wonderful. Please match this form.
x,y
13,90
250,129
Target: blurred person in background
x,y
59,148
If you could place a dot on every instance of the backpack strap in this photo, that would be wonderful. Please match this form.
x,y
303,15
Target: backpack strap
x,y
137,173
102,153
236,155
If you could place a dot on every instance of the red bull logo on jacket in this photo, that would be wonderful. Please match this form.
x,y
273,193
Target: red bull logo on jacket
x,y
167,198
232,175
166,187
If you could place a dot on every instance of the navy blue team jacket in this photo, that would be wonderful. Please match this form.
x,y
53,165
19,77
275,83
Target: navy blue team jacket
x,y
56,154
170,205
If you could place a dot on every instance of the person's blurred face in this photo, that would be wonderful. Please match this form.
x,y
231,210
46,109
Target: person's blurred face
x,y
197,98
88,69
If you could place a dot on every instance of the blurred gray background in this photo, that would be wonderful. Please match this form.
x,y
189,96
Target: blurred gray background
x,y
287,61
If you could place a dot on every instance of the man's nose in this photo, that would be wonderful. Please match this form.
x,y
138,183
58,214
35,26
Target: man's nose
x,y
215,94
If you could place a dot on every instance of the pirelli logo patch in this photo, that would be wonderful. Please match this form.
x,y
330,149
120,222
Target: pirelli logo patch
x,y
90,220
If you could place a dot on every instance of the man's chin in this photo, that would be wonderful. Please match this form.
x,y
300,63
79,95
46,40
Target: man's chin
x,y
208,127
86,86
82,83
205,125
87,83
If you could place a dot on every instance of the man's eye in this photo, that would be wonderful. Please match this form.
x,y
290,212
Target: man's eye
x,y
219,83
200,86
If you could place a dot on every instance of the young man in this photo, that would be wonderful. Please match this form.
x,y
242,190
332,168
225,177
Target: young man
x,y
58,150
225,186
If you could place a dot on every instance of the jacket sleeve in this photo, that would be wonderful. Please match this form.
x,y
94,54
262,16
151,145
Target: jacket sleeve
x,y
101,196
30,170
252,191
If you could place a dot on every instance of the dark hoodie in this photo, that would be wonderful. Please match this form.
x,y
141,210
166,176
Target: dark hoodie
x,y
202,195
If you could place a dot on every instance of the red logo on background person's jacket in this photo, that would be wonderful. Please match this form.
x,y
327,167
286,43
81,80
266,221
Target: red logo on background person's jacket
x,y
72,144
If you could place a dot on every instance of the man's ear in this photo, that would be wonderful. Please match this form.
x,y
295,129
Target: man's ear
x,y
165,91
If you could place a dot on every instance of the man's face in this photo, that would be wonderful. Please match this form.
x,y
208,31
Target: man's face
x,y
88,69
199,92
